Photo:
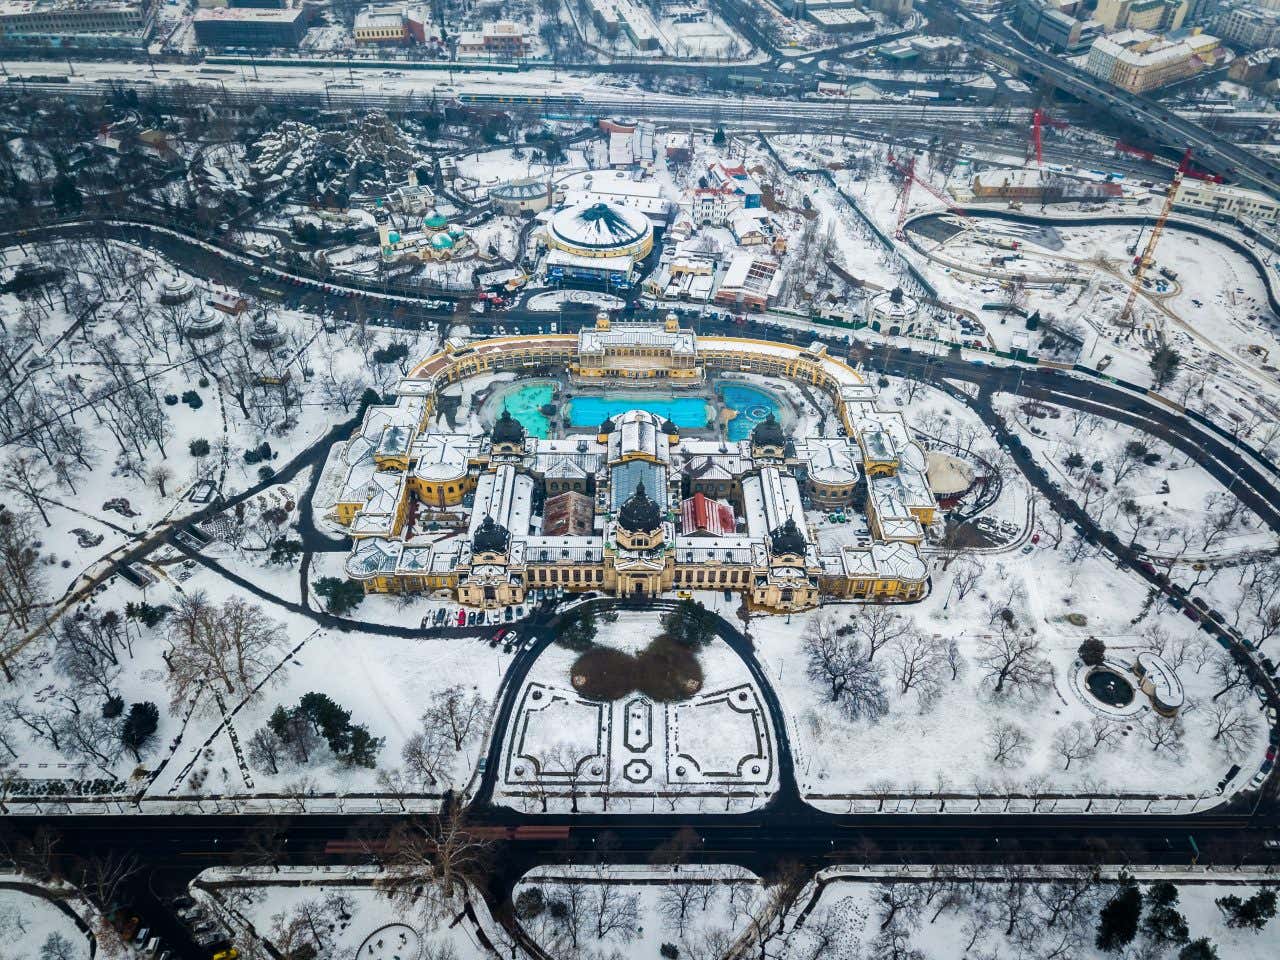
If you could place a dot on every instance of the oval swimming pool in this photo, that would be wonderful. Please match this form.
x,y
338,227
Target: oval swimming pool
x,y
751,406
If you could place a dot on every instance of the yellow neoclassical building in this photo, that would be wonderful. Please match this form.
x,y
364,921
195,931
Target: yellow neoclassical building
x,y
634,508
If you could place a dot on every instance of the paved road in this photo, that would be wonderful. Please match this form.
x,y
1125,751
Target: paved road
x,y
1142,113
175,848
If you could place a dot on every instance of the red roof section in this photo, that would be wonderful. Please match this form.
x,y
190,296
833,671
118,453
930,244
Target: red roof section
x,y
702,513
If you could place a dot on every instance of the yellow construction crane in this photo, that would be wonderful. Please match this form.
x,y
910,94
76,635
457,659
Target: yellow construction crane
x,y
1148,256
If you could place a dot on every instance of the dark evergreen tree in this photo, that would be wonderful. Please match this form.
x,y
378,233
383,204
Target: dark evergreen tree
x,y
1163,923
1118,922
1200,949
331,721
690,623
1251,914
363,747
138,727
1092,651
340,594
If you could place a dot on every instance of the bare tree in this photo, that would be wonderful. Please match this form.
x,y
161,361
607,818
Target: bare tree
x,y
1105,732
919,661
265,750
838,663
1233,727
1070,900
898,901
456,714
431,864
955,660
1164,733
614,913
1073,742
1233,677
878,625
159,476
27,477
1008,743
234,644
1222,511
968,575
425,754
1012,661
676,904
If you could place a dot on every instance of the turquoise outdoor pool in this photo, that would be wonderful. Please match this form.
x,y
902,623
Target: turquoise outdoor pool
x,y
688,413
752,405
525,405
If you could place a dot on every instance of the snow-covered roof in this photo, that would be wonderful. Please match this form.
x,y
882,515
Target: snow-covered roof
x,y
600,226
830,460
638,433
769,498
507,496
444,456
626,336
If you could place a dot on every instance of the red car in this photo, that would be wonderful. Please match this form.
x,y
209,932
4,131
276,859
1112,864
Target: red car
x,y
462,618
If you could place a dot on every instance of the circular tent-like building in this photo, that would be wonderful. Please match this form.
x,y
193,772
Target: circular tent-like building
x,y
521,196
601,230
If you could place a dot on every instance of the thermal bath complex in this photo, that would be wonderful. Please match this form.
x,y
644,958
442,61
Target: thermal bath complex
x,y
635,506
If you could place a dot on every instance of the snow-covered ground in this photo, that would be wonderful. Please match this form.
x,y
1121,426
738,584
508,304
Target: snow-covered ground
x,y
34,927
339,917
958,918
700,909
713,750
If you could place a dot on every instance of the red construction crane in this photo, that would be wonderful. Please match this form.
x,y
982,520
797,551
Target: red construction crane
x,y
909,176
1038,119
1148,255
1122,147
908,171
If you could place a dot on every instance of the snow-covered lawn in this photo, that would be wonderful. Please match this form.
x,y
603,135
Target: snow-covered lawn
x,y
34,928
701,909
927,748
342,916
715,750
960,919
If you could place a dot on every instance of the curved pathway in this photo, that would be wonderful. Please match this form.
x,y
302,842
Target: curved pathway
x,y
547,627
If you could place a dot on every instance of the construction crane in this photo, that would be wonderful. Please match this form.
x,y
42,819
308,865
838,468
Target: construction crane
x,y
909,176
1038,119
1144,260
908,171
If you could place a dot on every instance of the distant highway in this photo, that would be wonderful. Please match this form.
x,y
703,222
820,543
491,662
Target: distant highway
x,y
1211,151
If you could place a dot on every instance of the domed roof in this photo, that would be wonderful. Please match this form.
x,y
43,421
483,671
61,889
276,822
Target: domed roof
x,y
768,433
490,537
669,427
175,286
788,538
608,426
442,241
436,221
507,429
600,226
640,513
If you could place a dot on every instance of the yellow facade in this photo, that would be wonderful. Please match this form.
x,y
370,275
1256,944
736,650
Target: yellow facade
x,y
639,565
